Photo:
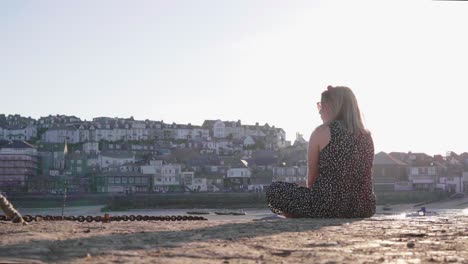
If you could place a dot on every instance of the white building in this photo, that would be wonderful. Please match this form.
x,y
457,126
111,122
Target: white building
x,y
84,134
219,129
20,133
179,131
163,174
465,181
234,129
293,174
199,185
199,132
106,133
254,131
115,129
423,178
239,173
62,133
107,160
194,184
138,131
451,184
153,168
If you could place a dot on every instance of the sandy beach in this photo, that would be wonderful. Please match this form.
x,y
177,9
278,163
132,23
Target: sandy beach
x,y
391,238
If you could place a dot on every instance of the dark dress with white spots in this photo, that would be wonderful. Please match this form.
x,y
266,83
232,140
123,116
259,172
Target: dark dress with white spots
x,y
343,188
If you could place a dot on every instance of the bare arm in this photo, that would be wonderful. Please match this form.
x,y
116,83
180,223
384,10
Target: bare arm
x,y
318,140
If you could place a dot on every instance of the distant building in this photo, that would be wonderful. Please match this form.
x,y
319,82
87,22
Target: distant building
x,y
291,174
18,132
115,159
423,171
238,177
166,177
259,184
425,178
199,185
18,164
91,148
55,120
300,141
390,174
273,138
451,183
122,182
238,173
60,134
465,181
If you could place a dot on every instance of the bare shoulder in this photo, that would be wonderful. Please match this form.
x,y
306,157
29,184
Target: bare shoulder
x,y
320,137
321,132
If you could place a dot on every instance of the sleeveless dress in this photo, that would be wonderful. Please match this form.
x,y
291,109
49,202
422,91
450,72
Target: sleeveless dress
x,y
343,188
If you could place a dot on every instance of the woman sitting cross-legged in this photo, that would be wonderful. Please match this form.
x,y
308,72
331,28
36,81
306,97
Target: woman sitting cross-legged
x,y
340,157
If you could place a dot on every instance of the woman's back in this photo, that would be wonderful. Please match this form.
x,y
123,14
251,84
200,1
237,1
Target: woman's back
x,y
344,185
339,159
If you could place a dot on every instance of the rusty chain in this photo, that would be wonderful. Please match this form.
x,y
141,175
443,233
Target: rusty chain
x,y
107,218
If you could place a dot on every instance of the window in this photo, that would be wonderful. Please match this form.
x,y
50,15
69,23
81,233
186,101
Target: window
x,y
117,179
131,180
124,179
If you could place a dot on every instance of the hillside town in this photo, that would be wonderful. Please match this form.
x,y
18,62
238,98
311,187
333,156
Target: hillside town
x,y
126,156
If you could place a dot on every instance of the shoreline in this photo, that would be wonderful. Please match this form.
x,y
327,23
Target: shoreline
x,y
198,200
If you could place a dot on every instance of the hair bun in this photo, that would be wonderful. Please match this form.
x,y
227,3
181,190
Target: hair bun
x,y
329,87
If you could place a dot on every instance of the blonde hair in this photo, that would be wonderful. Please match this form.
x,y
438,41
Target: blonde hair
x,y
344,108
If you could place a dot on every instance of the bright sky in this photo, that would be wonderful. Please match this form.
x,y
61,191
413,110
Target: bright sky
x,y
257,61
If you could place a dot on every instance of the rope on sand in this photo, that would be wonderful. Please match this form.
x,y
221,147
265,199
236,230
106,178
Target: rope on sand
x,y
10,212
